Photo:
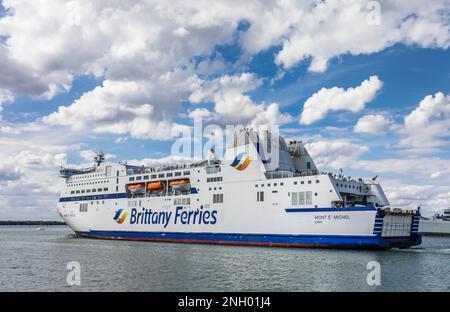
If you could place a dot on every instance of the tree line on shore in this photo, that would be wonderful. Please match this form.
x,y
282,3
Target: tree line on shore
x,y
11,222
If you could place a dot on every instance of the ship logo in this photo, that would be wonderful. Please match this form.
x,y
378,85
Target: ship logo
x,y
241,161
120,216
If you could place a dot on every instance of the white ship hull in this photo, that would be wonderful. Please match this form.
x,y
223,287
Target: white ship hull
x,y
434,227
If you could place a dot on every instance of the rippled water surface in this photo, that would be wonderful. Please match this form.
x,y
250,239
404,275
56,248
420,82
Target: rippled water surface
x,y
37,261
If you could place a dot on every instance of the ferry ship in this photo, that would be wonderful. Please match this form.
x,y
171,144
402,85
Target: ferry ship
x,y
245,198
439,224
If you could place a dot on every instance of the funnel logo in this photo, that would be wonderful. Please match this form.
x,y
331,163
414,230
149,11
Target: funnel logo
x,y
120,216
241,161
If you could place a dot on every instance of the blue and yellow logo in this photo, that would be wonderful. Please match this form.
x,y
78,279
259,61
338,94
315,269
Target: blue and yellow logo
x,y
120,216
241,161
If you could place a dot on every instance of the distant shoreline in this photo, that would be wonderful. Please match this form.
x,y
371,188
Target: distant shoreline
x,y
10,222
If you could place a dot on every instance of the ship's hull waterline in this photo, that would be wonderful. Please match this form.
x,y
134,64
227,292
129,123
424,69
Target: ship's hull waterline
x,y
298,241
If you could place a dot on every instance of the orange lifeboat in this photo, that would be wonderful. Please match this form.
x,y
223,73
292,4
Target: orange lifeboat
x,y
180,185
155,186
136,188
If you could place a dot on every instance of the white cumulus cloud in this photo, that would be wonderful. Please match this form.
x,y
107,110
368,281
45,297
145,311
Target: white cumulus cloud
x,y
327,100
372,124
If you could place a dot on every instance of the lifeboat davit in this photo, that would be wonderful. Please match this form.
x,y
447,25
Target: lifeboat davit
x,y
155,186
136,188
180,185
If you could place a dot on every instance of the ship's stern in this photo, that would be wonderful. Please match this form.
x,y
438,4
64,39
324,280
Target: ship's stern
x,y
397,228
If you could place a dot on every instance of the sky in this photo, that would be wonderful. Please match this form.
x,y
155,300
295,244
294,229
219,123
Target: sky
x,y
365,84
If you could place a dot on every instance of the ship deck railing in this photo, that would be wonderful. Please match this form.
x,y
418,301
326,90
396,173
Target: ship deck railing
x,y
204,163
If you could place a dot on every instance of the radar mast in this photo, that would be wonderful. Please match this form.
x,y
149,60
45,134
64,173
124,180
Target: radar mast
x,y
99,158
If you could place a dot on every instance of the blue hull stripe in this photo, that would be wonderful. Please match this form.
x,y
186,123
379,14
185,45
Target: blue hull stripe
x,y
93,197
343,241
367,208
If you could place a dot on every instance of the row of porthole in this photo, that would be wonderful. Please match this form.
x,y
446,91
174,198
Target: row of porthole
x,y
105,189
87,183
349,186
88,176
160,175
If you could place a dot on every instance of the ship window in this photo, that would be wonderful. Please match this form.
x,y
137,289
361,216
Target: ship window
x,y
309,182
281,183
169,174
99,189
301,196
309,198
274,191
315,194
308,165
161,175
186,172
93,190
78,191
188,201
294,198
105,189
72,192
82,191
88,190
260,196
83,207
274,184
138,178
302,182
317,181
217,198
131,179
117,188
295,182
177,174
256,185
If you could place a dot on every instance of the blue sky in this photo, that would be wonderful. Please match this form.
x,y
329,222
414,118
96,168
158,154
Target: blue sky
x,y
77,82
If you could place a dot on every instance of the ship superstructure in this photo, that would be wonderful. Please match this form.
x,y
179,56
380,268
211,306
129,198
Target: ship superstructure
x,y
263,192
